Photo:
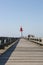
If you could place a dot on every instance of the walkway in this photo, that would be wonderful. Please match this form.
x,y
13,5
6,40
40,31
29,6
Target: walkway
x,y
23,53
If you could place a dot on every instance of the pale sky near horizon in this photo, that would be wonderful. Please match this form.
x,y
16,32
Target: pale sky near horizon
x,y
17,13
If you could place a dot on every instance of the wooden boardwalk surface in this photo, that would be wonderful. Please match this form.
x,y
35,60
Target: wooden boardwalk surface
x,y
23,53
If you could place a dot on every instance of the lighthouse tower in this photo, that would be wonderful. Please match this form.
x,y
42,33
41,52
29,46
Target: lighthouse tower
x,y
21,30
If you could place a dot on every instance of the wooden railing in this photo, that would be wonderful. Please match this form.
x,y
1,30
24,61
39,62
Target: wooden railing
x,y
5,41
36,40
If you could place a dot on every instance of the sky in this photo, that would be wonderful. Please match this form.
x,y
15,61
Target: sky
x,y
17,13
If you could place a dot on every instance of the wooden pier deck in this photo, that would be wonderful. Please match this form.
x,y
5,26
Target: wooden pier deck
x,y
23,53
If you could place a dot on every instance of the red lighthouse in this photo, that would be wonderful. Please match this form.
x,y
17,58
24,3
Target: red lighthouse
x,y
21,30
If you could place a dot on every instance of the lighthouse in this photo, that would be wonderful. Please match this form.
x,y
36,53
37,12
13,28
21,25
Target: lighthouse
x,y
21,30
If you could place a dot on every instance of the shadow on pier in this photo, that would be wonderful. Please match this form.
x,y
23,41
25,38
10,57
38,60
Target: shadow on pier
x,y
5,56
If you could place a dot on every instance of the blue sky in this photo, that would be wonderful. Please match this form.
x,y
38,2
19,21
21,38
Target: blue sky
x,y
17,13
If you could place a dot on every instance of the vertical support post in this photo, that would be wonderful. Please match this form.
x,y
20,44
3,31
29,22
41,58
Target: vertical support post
x,y
2,44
